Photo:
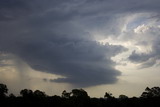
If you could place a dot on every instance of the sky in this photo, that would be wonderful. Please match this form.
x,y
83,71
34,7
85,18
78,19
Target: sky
x,y
98,45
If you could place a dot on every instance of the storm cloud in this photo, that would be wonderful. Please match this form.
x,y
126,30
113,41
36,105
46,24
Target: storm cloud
x,y
60,37
46,38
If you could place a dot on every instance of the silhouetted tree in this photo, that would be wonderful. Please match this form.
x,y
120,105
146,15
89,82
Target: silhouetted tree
x,y
78,98
66,94
108,95
26,93
123,97
79,93
12,95
151,92
39,94
3,90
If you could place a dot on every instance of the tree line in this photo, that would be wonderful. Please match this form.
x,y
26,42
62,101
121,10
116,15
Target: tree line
x,y
77,98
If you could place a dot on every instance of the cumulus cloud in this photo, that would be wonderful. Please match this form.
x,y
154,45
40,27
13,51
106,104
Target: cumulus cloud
x,y
149,36
141,29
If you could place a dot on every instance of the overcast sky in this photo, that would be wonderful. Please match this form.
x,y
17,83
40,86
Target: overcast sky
x,y
98,45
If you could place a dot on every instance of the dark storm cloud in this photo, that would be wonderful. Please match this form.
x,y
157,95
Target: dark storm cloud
x,y
51,36
12,9
82,62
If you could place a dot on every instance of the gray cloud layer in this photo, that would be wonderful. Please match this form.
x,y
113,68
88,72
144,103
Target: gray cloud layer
x,y
46,38
54,36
